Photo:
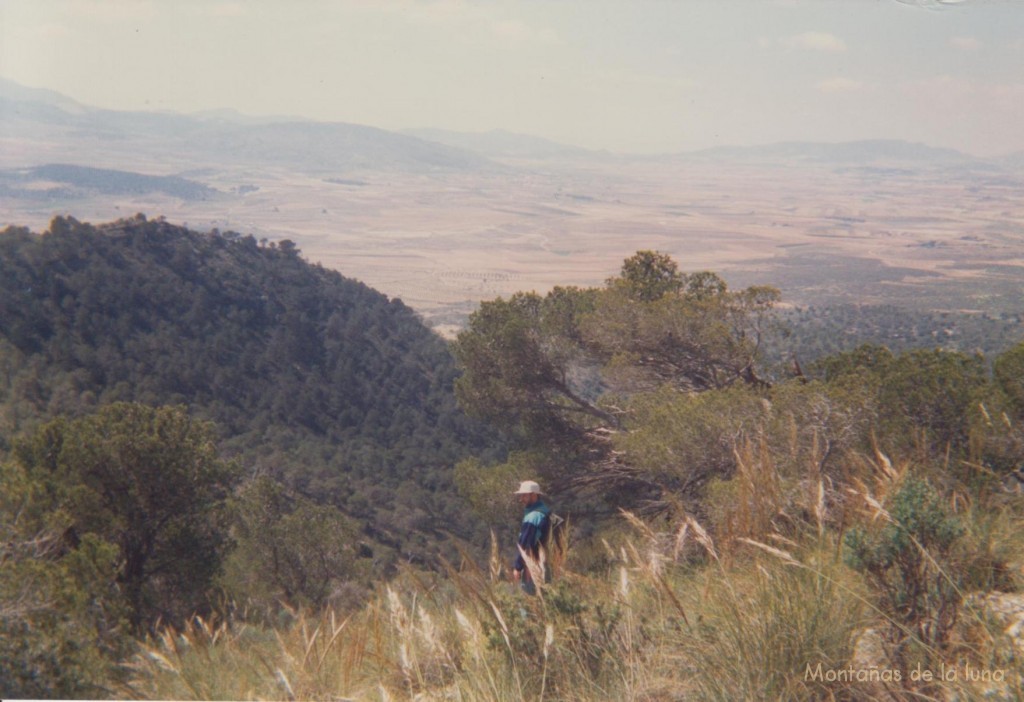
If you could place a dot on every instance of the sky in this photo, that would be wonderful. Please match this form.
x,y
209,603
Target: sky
x,y
639,76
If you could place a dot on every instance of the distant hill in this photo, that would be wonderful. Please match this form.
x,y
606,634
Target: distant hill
x,y
314,378
226,137
11,94
331,147
65,181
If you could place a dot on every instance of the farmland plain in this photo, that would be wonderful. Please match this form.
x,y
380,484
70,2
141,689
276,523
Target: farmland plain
x,y
927,230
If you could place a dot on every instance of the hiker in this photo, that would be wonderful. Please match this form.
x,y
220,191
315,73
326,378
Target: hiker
x,y
533,532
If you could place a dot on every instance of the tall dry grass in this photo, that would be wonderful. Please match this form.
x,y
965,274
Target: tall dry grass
x,y
656,628
752,611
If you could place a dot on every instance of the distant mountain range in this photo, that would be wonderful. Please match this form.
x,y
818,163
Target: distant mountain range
x,y
227,137
16,93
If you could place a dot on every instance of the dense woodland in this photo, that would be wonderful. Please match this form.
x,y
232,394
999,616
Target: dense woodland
x,y
228,473
337,395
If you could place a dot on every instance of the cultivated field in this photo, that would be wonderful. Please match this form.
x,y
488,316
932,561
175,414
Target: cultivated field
x,y
948,238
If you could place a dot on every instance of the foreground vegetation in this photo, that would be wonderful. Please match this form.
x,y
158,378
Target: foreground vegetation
x,y
667,615
833,534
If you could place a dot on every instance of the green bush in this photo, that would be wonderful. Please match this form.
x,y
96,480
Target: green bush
x,y
62,620
148,480
910,561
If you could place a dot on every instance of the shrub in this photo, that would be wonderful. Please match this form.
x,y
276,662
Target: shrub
x,y
909,560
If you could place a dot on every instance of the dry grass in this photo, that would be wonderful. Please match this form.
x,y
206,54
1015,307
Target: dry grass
x,y
646,632
752,612
657,628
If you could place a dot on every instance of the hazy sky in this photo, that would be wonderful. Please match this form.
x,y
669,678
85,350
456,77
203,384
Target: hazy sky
x,y
625,76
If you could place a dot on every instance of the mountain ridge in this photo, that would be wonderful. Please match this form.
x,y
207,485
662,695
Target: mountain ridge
x,y
228,133
29,113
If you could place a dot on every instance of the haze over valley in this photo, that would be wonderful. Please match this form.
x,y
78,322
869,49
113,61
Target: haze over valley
x,y
446,222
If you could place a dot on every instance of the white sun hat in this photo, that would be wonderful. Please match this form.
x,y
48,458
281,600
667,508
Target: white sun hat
x,y
528,487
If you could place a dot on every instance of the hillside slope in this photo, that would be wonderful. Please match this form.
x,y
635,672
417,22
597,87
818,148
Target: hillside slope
x,y
314,379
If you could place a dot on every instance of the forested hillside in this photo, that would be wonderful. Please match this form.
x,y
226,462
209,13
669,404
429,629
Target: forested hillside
x,y
217,454
311,378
